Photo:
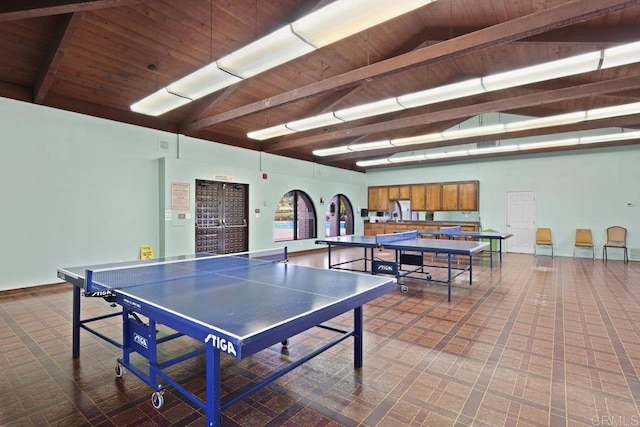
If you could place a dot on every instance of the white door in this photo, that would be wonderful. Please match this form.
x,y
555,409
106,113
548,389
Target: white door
x,y
521,221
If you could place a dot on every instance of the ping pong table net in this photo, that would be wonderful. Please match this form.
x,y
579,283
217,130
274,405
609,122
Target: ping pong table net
x,y
175,268
381,239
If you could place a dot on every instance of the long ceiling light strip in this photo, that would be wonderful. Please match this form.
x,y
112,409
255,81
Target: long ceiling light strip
x,y
332,23
622,136
593,61
539,123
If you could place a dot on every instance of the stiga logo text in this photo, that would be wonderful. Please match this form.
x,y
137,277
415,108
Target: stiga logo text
x,y
140,340
385,268
221,344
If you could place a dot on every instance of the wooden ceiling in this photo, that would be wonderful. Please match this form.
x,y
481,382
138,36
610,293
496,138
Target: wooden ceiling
x,y
98,57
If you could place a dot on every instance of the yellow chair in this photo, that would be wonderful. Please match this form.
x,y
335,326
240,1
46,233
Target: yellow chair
x,y
616,238
584,239
543,238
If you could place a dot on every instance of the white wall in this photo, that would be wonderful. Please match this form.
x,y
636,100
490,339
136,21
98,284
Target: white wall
x,y
576,189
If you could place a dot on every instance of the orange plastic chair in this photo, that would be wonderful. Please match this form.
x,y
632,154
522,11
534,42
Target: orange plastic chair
x,y
584,239
543,238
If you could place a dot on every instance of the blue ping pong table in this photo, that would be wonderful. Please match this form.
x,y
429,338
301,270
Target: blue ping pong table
x,y
409,251
455,232
234,305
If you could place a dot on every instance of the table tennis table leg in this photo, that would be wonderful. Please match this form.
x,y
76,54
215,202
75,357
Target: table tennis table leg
x,y
329,255
490,253
76,322
357,337
214,417
449,278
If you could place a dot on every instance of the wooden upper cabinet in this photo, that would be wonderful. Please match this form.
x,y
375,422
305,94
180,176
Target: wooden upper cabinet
x,y
418,197
468,195
434,197
394,192
372,198
405,192
441,196
383,199
450,196
400,192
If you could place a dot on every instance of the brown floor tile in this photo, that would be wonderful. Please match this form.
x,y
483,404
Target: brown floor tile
x,y
534,342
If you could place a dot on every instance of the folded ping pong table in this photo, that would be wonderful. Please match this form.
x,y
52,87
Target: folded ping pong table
x,y
409,251
234,305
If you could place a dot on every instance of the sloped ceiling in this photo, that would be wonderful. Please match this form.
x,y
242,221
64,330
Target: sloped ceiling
x,y
99,57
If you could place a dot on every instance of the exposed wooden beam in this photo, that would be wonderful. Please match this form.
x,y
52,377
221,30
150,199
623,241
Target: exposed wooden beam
x,y
574,92
11,10
569,13
66,31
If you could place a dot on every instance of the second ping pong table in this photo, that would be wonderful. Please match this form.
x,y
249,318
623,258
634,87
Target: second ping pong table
x,y
409,251
455,232
233,305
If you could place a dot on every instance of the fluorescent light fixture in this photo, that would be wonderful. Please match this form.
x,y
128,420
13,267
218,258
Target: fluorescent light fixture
x,y
314,122
419,139
159,103
203,82
442,93
329,24
622,136
376,162
447,154
615,111
368,110
263,54
612,57
549,144
621,55
560,119
272,132
477,131
365,146
547,71
344,18
489,150
557,120
345,149
323,152
406,158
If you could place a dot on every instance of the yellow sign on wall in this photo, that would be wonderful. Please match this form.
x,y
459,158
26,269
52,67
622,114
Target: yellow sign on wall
x,y
146,252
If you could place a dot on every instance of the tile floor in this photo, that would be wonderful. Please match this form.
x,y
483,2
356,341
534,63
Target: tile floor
x,y
534,342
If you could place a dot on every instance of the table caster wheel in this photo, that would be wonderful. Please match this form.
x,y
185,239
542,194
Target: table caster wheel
x,y
404,288
284,343
157,399
428,277
119,370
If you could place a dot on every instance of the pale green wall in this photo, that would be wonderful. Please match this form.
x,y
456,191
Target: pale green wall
x,y
78,190
204,160
577,189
